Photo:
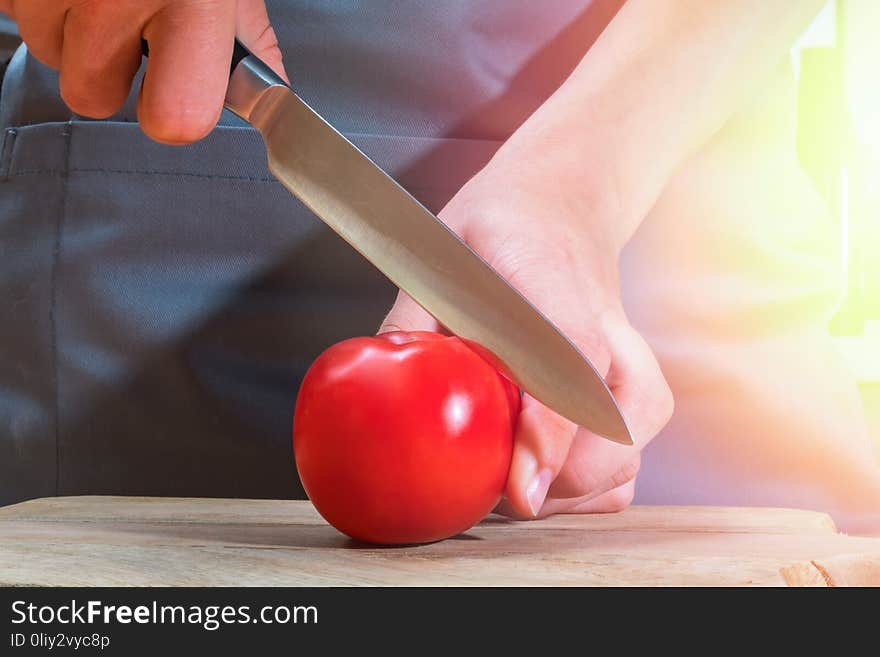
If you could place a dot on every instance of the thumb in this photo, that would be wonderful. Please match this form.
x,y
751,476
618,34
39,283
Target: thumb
x,y
407,315
544,438
255,31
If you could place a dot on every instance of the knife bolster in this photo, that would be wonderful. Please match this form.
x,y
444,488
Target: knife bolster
x,y
248,83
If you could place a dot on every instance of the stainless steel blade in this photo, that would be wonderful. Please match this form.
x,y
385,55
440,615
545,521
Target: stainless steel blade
x,y
418,252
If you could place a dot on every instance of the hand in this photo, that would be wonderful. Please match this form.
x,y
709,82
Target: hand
x,y
96,46
538,235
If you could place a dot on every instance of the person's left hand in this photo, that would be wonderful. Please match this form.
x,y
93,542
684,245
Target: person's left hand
x,y
554,242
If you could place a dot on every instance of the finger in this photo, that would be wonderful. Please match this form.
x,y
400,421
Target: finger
x,y
543,438
596,465
100,56
541,445
256,32
407,315
41,27
187,71
611,501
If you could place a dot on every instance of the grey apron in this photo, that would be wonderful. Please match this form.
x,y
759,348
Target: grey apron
x,y
160,305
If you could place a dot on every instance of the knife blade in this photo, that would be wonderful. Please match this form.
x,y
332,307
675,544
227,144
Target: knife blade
x,y
416,250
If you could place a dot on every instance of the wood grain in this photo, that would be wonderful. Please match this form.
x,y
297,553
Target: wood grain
x,y
841,570
112,541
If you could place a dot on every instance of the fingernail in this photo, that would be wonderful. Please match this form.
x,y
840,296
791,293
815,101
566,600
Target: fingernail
x,y
537,490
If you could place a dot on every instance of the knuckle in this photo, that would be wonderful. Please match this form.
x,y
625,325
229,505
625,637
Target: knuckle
x,y
573,482
591,340
177,125
91,7
90,104
267,42
91,10
665,403
43,53
626,473
619,498
658,403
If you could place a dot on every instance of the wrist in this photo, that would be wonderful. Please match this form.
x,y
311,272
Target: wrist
x,y
576,164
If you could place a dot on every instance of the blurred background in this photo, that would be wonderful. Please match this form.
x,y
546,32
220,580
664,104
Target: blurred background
x,y
839,147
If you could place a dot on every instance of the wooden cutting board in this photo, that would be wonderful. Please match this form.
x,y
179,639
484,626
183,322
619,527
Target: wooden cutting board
x,y
109,541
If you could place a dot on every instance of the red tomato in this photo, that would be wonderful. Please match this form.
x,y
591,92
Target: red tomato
x,y
405,437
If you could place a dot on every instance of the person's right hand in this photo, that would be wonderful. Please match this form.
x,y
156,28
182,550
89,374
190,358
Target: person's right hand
x,y
96,47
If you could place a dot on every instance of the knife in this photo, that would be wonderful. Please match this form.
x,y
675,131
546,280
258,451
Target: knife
x,y
416,250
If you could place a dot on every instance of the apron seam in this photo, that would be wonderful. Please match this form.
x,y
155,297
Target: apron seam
x,y
37,172
145,172
178,174
53,300
6,152
187,174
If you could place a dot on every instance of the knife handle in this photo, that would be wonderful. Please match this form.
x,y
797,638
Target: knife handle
x,y
239,52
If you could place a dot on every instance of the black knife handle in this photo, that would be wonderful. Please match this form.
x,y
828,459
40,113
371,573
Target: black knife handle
x,y
239,52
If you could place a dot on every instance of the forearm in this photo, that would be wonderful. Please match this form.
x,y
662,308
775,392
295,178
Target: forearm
x,y
660,80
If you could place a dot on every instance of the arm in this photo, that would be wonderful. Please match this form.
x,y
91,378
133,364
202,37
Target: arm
x,y
660,80
560,199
